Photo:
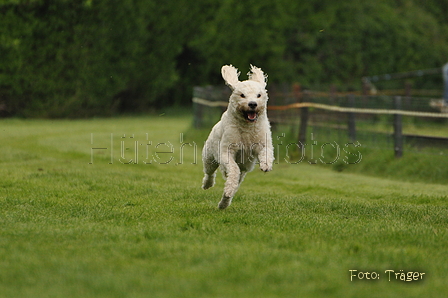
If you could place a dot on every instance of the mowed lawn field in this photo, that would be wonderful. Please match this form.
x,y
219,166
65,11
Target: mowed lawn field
x,y
114,208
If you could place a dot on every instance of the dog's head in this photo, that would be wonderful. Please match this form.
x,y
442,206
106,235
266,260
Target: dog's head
x,y
249,98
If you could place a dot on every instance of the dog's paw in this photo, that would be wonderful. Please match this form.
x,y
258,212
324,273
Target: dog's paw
x,y
207,186
225,202
265,167
208,182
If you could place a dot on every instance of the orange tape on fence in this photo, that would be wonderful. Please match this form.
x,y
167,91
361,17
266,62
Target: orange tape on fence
x,y
357,110
331,108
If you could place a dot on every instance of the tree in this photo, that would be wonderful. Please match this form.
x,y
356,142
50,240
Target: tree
x,y
80,58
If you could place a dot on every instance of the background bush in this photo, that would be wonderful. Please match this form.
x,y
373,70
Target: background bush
x,y
98,57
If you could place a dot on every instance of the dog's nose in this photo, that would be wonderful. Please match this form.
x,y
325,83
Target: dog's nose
x,y
252,104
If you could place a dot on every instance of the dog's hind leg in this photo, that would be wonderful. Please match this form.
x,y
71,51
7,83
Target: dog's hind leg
x,y
210,167
242,175
233,179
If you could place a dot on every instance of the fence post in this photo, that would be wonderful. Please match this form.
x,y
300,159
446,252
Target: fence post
x,y
298,98
333,95
197,115
303,121
365,97
407,94
351,119
197,108
297,92
445,80
398,127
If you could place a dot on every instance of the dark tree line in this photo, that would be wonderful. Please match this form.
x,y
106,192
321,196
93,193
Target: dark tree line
x,y
81,58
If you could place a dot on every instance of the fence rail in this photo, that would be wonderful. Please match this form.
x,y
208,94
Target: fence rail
x,y
333,110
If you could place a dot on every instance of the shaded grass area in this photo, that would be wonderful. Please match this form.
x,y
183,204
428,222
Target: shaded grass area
x,y
70,228
372,153
413,166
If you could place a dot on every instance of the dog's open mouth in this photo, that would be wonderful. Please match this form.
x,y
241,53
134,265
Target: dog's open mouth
x,y
251,116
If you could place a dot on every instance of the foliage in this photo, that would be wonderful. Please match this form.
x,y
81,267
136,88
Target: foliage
x,y
82,58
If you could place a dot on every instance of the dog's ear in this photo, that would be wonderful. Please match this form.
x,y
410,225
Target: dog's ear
x,y
257,75
230,75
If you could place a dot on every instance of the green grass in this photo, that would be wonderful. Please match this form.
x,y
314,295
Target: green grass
x,y
427,163
73,229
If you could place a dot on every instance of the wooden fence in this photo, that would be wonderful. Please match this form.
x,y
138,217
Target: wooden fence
x,y
297,108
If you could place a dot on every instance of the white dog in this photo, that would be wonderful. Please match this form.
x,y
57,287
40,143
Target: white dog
x,y
243,135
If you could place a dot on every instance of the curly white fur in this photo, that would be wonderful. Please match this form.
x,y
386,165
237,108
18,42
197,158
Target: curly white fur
x,y
242,137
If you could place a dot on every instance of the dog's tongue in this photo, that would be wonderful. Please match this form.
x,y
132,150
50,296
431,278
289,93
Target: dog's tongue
x,y
251,115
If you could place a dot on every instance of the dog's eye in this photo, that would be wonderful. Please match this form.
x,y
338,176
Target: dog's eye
x,y
259,95
242,95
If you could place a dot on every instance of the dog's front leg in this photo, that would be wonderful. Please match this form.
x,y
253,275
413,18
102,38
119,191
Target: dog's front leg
x,y
266,155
